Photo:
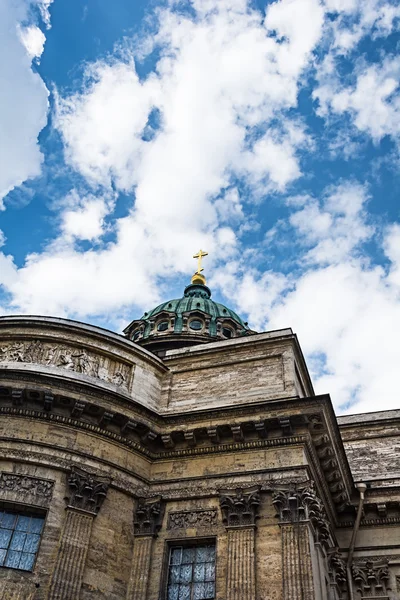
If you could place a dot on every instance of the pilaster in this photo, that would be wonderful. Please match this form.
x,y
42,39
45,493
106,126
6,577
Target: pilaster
x,y
302,519
147,523
239,510
87,493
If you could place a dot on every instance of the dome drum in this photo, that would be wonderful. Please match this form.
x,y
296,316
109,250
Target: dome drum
x,y
192,319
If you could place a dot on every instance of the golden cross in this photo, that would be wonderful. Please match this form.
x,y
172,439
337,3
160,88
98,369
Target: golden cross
x,y
199,256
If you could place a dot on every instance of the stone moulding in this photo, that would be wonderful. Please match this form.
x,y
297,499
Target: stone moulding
x,y
223,447
192,518
38,490
87,491
240,506
148,516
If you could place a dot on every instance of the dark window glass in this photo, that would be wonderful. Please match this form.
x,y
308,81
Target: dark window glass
x,y
226,332
19,539
191,573
136,335
163,326
195,324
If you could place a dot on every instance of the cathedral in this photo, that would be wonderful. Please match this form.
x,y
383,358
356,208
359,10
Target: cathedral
x,y
187,459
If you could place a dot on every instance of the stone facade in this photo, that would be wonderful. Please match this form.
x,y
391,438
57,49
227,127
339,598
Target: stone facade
x,y
224,445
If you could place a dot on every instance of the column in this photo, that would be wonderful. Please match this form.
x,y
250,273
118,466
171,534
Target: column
x,y
301,514
147,523
297,567
87,493
239,510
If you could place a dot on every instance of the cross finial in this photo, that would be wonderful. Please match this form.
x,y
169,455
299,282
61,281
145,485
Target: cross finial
x,y
199,257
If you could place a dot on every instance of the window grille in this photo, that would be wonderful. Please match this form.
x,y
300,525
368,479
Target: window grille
x,y
19,539
191,573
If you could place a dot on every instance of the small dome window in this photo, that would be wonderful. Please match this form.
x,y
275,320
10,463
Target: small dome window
x,y
163,326
136,335
227,332
196,325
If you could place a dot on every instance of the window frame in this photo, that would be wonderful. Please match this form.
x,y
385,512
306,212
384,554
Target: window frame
x,y
23,510
186,543
196,320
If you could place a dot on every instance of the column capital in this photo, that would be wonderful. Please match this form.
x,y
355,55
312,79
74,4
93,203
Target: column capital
x,y
87,491
297,504
371,577
240,506
148,516
337,571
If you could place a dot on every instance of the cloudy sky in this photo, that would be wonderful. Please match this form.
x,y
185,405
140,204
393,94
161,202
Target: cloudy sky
x,y
267,133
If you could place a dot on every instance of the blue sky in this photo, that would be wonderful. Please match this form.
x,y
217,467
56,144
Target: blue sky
x,y
268,133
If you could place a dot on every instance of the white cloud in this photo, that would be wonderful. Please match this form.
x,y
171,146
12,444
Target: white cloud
x,y
20,156
84,217
334,227
354,19
33,39
343,308
175,139
346,314
373,102
44,8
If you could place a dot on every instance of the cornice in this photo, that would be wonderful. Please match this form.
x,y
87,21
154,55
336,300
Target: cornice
x,y
159,441
221,448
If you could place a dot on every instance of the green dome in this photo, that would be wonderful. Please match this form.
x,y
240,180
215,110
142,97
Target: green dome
x,y
192,319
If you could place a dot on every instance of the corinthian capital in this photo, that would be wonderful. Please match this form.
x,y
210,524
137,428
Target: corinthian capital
x,y
87,491
148,517
302,504
240,507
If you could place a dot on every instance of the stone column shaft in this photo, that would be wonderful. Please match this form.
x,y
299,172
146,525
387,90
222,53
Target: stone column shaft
x,y
147,522
74,544
296,562
241,583
140,573
86,495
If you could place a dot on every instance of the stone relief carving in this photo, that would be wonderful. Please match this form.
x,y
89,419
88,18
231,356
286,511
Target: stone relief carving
x,y
87,491
240,507
372,578
148,516
69,358
192,518
302,504
24,484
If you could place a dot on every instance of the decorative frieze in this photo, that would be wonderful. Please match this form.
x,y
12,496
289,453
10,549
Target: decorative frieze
x,y
192,518
295,505
148,517
371,578
23,485
70,358
240,507
87,491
